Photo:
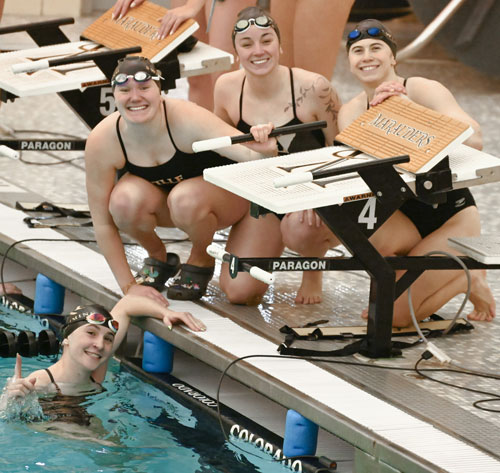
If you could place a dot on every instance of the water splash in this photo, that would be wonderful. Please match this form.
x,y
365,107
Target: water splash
x,y
24,409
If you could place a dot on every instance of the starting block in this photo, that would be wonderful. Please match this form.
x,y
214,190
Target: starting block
x,y
355,192
80,72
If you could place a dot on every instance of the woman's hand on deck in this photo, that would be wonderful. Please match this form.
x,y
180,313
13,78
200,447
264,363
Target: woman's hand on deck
x,y
172,317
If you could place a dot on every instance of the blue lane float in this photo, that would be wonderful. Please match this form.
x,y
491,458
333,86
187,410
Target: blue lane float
x,y
301,435
157,355
49,296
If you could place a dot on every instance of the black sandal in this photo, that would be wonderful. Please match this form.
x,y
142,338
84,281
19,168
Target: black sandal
x,y
155,273
191,284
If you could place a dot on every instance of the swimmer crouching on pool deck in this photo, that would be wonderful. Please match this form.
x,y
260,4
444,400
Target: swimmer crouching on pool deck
x,y
91,336
264,91
417,228
150,137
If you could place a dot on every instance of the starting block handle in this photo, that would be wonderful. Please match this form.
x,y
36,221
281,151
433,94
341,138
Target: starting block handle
x,y
46,64
304,177
216,251
30,66
213,143
219,253
223,141
293,178
36,26
261,275
9,152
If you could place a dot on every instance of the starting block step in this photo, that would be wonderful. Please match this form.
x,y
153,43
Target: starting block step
x,y
484,248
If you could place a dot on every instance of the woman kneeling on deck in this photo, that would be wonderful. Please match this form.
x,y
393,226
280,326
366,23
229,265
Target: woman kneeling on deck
x,y
417,228
265,91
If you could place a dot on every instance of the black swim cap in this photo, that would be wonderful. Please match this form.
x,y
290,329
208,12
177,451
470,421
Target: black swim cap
x,y
82,315
130,65
371,29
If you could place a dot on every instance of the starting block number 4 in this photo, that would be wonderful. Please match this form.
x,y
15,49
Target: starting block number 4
x,y
367,214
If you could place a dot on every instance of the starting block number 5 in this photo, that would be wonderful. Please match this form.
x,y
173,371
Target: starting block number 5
x,y
367,214
107,102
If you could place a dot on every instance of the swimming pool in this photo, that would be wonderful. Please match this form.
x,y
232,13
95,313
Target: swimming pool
x,y
141,429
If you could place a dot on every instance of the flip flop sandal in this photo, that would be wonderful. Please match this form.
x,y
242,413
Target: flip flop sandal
x,y
155,273
191,284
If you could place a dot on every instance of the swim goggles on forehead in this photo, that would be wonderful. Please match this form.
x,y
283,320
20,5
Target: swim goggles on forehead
x,y
99,319
260,22
139,76
374,32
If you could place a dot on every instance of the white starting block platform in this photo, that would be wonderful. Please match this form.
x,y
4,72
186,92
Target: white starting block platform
x,y
484,248
202,59
255,180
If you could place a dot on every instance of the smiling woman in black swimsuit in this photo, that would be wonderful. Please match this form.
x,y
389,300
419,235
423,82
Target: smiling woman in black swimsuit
x,y
263,91
90,335
150,137
417,228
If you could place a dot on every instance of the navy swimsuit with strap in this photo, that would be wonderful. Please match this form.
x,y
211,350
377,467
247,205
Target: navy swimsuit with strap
x,y
302,141
428,218
179,167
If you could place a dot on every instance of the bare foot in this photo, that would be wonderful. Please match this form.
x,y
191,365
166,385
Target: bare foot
x,y
9,289
481,297
311,289
364,314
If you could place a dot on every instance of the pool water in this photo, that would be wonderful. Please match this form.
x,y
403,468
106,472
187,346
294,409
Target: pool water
x,y
138,428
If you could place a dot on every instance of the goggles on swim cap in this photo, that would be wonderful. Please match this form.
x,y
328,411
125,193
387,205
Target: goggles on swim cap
x,y
140,76
139,68
371,29
93,314
261,22
99,319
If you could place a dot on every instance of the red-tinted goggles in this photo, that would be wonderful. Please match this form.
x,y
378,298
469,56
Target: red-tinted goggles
x,y
99,319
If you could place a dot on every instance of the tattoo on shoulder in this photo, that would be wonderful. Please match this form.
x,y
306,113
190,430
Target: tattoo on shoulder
x,y
324,91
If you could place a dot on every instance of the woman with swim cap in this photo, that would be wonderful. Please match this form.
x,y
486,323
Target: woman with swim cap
x,y
417,227
90,336
265,91
150,138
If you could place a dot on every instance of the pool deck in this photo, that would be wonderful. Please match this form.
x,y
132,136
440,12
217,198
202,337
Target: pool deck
x,y
389,417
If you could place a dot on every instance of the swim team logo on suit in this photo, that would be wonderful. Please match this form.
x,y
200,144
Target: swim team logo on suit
x,y
460,202
170,181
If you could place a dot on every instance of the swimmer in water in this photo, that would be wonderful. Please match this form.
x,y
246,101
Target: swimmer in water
x,y
91,336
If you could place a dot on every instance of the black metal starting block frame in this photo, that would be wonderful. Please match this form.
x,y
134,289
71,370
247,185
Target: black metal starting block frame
x,y
390,192
85,103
